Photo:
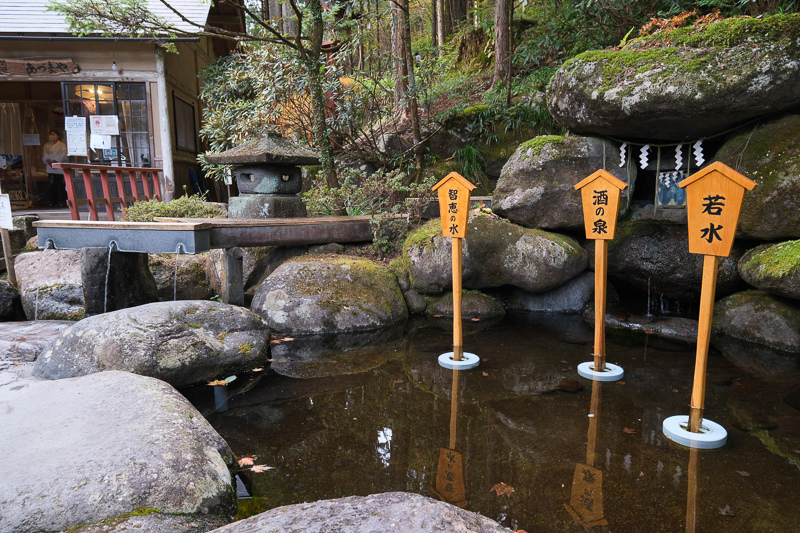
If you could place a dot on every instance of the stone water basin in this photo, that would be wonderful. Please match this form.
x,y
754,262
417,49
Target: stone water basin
x,y
522,422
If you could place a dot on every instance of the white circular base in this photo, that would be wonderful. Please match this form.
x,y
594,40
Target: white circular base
x,y
468,360
711,434
611,373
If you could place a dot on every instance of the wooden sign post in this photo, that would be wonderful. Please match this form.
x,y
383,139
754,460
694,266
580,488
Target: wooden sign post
x,y
454,192
713,203
7,223
600,197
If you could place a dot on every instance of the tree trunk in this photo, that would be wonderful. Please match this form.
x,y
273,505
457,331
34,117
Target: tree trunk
x,y
419,149
441,26
501,51
399,65
314,68
434,24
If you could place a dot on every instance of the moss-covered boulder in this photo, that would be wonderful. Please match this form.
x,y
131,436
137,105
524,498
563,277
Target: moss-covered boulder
x,y
183,343
474,306
329,294
537,185
181,277
495,253
774,268
651,255
683,84
768,154
759,317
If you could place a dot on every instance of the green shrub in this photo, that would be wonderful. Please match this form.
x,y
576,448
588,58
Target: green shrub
x,y
193,206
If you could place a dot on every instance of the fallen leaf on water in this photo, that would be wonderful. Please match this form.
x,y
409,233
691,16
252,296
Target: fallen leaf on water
x,y
674,390
275,341
501,489
743,473
484,374
620,383
563,361
261,468
246,460
475,319
520,531
726,511
257,369
270,360
437,316
629,431
218,382
17,363
641,473
288,339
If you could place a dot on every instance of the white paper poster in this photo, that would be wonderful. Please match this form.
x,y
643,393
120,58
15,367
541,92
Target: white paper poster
x,y
100,141
75,123
5,212
30,139
76,142
104,125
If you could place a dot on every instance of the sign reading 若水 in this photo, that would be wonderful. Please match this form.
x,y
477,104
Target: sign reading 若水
x,y
713,202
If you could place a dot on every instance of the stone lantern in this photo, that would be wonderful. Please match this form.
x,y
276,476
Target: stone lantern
x,y
268,176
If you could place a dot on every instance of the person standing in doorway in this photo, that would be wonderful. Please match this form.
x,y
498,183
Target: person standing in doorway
x,y
55,151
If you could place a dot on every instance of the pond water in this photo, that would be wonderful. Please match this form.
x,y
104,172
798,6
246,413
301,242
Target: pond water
x,y
578,455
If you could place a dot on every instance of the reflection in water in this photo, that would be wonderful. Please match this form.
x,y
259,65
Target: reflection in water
x,y
450,469
382,429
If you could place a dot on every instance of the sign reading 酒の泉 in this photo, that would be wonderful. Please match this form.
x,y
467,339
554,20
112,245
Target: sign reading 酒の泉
x,y
713,202
600,197
454,192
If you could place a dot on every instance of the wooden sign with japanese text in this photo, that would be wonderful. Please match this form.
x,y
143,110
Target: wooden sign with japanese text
x,y
713,203
454,192
586,497
600,197
450,478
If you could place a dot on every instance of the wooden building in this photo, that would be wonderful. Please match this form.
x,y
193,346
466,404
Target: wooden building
x,y
47,74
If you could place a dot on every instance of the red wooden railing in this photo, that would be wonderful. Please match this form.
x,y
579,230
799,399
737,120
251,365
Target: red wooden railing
x,y
135,174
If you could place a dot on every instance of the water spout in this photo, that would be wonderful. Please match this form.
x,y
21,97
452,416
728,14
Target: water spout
x,y
111,247
648,314
175,277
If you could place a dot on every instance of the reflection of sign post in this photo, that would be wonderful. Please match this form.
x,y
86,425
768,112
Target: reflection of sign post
x,y
713,203
450,485
586,497
454,192
600,196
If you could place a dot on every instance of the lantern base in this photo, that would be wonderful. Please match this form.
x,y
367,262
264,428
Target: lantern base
x,y
468,360
611,373
711,434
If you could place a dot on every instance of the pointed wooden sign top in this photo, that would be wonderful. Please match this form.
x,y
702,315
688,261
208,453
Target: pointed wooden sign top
x,y
600,197
713,203
454,191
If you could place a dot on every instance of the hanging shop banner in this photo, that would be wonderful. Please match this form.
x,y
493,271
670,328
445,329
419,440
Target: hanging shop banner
x,y
38,67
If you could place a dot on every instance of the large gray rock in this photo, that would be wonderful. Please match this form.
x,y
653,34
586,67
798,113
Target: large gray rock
x,y
50,284
191,283
537,185
569,298
24,341
759,317
495,253
104,445
329,294
682,85
474,306
650,255
390,511
769,155
9,300
152,522
183,343
115,281
774,268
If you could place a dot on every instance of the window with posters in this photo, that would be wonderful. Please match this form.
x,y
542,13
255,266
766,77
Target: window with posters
x,y
117,125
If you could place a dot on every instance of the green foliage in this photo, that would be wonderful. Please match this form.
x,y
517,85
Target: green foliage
x,y
382,195
193,206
